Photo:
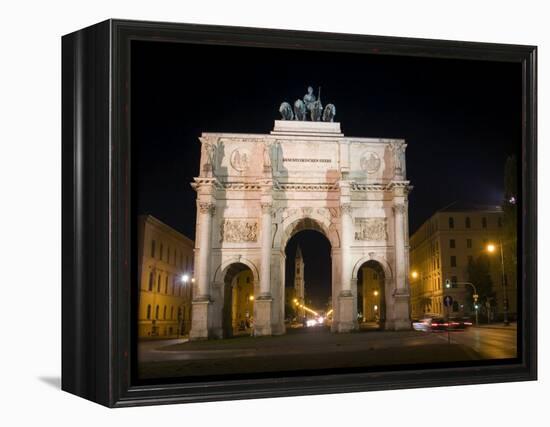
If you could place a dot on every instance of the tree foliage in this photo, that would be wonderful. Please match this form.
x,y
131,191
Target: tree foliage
x,y
479,274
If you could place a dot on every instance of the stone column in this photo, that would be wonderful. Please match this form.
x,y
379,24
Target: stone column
x,y
263,305
207,210
401,292
201,301
346,321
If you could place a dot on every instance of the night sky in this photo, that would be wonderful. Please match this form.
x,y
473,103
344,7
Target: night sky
x,y
461,119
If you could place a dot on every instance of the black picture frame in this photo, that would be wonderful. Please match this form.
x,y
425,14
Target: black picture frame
x,y
97,352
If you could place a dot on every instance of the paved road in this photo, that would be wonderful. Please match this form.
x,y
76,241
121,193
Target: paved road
x,y
490,343
318,349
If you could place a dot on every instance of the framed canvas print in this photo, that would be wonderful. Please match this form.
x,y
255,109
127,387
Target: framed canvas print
x,y
257,213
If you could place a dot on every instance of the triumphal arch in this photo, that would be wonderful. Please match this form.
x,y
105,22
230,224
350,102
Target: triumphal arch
x,y
255,191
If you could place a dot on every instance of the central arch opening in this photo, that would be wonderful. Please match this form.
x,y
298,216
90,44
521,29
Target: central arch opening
x,y
238,307
371,296
308,277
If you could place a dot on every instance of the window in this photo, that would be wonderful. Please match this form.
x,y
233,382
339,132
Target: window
x,y
158,284
470,259
469,243
149,312
452,243
172,313
455,307
453,261
164,313
152,248
468,222
161,251
181,259
451,222
298,270
157,312
151,280
454,282
484,222
166,284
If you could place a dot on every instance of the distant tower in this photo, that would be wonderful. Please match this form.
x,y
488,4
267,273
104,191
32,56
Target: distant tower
x,y
299,284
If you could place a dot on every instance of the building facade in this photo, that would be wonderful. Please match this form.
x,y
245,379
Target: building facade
x,y
165,274
256,191
442,248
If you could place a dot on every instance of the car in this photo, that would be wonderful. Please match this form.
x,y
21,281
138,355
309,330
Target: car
x,y
460,322
433,323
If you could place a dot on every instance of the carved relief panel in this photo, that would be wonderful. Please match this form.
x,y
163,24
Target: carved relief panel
x,y
239,230
371,229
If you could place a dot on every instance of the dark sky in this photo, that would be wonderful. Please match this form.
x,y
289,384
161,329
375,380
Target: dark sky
x,y
461,119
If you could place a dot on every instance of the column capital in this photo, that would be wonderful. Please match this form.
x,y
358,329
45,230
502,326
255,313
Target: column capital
x,y
267,207
399,208
207,208
346,209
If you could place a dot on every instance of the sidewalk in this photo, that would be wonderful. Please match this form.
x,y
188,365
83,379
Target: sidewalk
x,y
511,326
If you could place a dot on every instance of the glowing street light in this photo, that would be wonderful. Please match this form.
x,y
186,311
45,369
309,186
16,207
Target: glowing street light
x,y
251,298
184,278
375,293
492,248
414,274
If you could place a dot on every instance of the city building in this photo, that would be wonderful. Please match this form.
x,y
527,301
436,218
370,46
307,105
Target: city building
x,y
441,250
165,274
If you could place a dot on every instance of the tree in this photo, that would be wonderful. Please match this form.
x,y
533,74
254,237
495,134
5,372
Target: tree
x,y
479,274
510,221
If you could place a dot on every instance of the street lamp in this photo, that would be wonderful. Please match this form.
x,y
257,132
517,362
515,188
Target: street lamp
x,y
414,274
491,248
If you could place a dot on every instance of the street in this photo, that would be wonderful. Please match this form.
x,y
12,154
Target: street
x,y
488,342
317,348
